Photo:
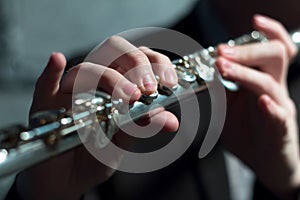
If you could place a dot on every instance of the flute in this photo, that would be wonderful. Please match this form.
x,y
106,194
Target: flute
x,y
55,131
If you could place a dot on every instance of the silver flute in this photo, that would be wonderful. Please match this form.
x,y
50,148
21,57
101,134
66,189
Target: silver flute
x,y
53,132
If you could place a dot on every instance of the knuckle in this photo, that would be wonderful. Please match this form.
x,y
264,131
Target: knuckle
x,y
280,48
154,56
81,65
109,72
269,84
280,53
160,59
164,58
269,79
144,48
137,58
278,25
112,40
245,53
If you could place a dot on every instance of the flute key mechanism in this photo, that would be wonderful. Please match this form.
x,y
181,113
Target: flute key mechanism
x,y
54,132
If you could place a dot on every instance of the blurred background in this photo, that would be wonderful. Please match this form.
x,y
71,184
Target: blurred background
x,y
31,30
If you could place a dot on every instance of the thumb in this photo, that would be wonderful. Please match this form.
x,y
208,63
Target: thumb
x,y
48,83
158,117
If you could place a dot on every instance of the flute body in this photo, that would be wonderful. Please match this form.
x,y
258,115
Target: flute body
x,y
55,131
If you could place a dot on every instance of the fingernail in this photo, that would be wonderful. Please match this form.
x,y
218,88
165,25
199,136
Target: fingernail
x,y
170,76
149,83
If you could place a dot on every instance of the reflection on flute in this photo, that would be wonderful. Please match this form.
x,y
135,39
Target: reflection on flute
x,y
55,131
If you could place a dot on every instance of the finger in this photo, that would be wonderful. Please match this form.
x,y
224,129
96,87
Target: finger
x,y
137,68
159,116
127,59
162,67
269,57
90,76
254,80
171,122
275,30
49,81
48,84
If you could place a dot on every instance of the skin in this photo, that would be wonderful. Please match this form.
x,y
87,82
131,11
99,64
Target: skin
x,y
260,128
51,93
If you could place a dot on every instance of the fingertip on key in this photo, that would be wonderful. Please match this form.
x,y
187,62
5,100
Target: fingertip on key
x,y
149,85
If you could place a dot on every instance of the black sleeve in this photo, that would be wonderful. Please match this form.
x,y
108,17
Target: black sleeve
x,y
12,193
261,192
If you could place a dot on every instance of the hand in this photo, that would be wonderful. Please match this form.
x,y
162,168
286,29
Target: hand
x,y
261,127
73,173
